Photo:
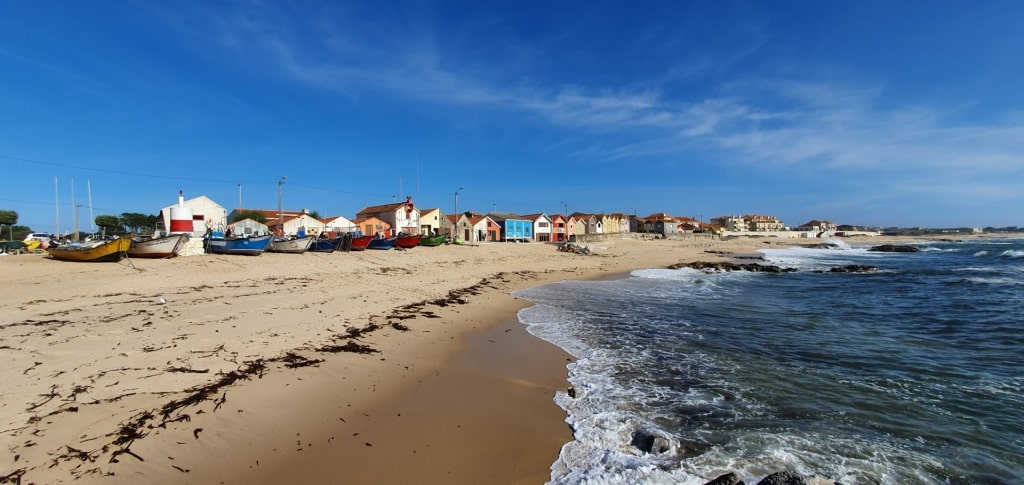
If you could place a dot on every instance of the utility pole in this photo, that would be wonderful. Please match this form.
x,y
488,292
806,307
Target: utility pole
x,y
566,223
280,216
455,223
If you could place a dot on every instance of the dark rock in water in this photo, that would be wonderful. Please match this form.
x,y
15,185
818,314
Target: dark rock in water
x,y
730,478
791,478
783,478
778,478
854,268
892,248
651,442
708,267
571,392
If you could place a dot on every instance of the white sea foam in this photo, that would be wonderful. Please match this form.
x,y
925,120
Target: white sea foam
x,y
693,395
1012,254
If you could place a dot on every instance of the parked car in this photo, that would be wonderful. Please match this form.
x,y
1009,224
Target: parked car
x,y
39,236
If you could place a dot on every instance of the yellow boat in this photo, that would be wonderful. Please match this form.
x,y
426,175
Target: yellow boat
x,y
95,251
32,244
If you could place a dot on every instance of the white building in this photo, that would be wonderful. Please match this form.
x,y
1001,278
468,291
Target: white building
x,y
403,216
541,226
205,214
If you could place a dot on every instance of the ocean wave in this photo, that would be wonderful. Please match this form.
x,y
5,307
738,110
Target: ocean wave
x,y
1012,253
996,280
981,253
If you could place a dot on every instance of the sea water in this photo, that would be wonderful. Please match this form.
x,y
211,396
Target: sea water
x,y
911,374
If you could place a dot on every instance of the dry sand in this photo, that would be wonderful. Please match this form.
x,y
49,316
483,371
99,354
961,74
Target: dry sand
x,y
393,367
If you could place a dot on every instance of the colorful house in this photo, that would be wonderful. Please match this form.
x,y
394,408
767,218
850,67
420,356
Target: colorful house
x,y
559,228
514,227
372,226
431,221
484,229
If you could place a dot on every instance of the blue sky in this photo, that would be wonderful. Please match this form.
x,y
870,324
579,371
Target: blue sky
x,y
868,113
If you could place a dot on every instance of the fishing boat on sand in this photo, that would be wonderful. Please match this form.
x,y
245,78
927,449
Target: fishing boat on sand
x,y
433,240
96,251
249,246
294,245
325,245
360,243
157,247
381,243
409,241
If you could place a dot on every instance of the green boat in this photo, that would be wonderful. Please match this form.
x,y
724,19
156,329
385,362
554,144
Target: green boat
x,y
432,240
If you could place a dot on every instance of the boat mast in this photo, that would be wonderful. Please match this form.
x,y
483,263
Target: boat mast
x,y
92,219
56,206
74,209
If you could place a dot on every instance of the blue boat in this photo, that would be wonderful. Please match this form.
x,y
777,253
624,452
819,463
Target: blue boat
x,y
325,245
251,246
382,243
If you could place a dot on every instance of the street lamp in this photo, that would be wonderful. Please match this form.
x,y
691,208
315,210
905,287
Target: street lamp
x,y
565,237
280,216
455,223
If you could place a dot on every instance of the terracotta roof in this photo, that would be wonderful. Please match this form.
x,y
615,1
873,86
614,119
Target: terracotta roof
x,y
534,217
377,209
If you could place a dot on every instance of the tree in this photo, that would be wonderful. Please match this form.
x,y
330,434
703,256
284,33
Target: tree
x,y
249,214
314,214
10,218
108,222
135,221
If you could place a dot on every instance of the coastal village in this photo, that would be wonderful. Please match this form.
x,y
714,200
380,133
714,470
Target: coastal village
x,y
389,220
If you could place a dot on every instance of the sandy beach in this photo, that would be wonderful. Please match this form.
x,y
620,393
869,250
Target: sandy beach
x,y
395,367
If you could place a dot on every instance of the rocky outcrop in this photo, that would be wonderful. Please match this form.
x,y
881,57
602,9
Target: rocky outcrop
x,y
710,267
779,478
730,478
651,442
892,248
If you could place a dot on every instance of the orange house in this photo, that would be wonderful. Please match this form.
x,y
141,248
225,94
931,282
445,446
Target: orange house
x,y
372,226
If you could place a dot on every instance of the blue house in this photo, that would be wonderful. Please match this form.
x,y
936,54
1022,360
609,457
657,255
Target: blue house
x,y
514,228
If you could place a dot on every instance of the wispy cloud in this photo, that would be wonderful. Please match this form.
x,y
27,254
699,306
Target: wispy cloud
x,y
773,123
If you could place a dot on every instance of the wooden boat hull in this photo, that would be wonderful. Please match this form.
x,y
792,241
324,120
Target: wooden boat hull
x,y
248,246
325,245
408,241
360,243
382,243
161,247
106,251
292,246
433,240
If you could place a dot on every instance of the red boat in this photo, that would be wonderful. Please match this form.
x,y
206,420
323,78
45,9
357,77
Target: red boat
x,y
360,243
406,242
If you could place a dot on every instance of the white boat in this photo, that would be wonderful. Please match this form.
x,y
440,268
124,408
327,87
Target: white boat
x,y
159,247
296,245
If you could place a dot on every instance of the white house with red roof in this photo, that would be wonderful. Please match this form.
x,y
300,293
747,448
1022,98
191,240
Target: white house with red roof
x,y
542,226
402,216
